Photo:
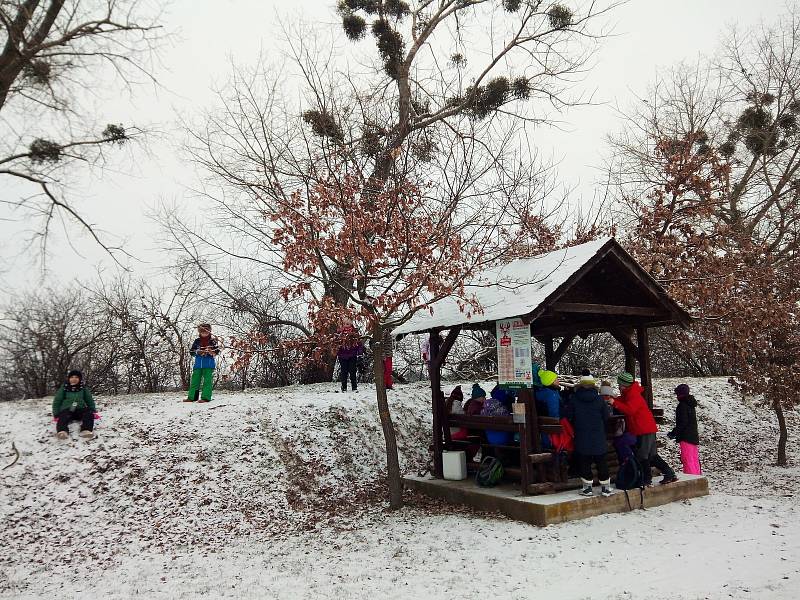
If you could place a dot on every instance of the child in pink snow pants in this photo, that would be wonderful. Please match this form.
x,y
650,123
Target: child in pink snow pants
x,y
685,430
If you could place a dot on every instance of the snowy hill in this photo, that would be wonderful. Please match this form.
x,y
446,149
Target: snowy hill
x,y
295,474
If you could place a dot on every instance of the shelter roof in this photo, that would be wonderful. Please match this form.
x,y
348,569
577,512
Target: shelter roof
x,y
526,287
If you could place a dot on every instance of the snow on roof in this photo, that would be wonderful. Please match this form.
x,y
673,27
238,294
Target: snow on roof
x,y
509,290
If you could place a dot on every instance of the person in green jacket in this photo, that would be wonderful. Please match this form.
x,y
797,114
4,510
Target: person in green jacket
x,y
73,402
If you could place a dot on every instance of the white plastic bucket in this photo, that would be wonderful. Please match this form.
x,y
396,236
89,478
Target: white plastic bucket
x,y
454,465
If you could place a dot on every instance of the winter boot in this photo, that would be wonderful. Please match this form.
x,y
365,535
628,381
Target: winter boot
x,y
605,488
85,433
587,488
668,479
62,435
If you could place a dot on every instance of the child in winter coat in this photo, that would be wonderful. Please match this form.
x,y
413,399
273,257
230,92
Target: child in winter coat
x,y
588,414
352,347
73,402
640,422
548,397
474,405
623,440
204,349
685,430
455,406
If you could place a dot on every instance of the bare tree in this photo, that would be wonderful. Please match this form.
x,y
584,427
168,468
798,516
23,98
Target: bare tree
x,y
708,175
426,105
50,52
45,334
152,330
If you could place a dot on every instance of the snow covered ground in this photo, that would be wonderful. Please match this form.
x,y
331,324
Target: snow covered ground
x,y
277,494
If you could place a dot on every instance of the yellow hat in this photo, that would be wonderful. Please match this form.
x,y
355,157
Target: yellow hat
x,y
547,377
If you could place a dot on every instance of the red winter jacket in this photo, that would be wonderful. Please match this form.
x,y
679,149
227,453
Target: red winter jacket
x,y
638,418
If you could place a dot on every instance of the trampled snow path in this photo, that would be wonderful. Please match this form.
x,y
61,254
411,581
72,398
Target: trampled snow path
x,y
181,501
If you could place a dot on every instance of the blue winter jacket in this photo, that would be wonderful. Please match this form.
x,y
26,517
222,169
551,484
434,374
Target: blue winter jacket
x,y
204,361
548,399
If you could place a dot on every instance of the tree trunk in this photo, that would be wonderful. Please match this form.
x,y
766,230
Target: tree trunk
x,y
392,460
784,434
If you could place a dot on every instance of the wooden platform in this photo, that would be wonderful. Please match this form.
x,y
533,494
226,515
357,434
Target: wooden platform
x,y
553,508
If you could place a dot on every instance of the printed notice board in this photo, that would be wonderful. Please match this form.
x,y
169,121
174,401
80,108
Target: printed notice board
x,y
514,353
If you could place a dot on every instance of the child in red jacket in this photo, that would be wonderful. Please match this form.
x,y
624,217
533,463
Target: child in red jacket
x,y
640,422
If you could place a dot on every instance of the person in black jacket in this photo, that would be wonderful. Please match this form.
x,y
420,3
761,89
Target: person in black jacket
x,y
685,430
588,413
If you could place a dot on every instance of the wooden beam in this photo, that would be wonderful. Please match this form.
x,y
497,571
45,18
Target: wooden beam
x,y
549,354
562,348
607,309
631,351
645,374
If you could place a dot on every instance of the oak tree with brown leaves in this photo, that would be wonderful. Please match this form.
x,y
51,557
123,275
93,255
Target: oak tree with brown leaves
x,y
403,250
710,193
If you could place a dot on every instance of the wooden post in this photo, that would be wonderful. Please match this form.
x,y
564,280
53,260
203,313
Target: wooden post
x,y
631,351
645,375
562,349
435,368
532,439
438,354
630,362
549,354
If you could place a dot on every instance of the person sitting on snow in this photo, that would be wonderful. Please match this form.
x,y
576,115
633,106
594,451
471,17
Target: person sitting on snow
x,y
204,349
73,402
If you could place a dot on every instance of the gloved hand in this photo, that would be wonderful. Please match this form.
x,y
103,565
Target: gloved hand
x,y
97,416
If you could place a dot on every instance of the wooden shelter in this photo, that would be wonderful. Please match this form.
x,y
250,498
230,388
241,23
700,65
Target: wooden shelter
x,y
590,288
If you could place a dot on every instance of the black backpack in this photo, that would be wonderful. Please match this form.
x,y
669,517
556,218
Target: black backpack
x,y
630,477
489,472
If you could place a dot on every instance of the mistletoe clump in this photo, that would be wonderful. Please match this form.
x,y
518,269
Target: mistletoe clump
x,y
323,124
42,150
512,5
484,100
389,41
560,16
115,133
354,26
390,47
521,88
38,72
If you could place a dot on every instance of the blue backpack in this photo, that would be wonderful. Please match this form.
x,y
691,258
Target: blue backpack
x,y
630,477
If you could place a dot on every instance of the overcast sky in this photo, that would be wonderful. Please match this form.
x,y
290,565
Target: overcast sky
x,y
648,36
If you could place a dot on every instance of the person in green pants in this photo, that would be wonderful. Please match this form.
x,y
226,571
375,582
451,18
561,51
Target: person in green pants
x,y
204,349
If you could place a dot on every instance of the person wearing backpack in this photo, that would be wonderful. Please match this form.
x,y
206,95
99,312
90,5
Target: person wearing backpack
x,y
588,414
73,402
685,430
640,422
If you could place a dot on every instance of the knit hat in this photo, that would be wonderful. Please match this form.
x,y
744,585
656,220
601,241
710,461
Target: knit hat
x,y
205,326
606,389
78,374
547,378
587,380
478,391
457,394
682,391
625,378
